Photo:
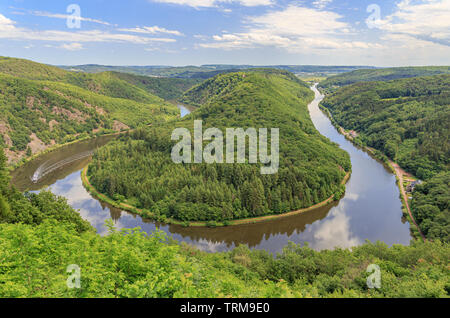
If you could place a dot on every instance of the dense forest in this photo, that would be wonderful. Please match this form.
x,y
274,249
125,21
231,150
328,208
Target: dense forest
x,y
138,170
382,74
407,120
41,235
43,105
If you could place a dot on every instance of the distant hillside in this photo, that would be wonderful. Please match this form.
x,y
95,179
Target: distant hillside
x,y
166,88
209,71
43,105
383,74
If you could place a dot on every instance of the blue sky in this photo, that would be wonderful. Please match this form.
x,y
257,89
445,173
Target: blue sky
x,y
259,32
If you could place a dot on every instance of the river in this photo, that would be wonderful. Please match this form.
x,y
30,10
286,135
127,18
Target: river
x,y
370,209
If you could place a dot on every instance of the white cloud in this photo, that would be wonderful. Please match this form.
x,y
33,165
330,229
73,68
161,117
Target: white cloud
x,y
215,3
8,30
335,231
296,29
252,3
6,24
151,30
423,20
72,46
65,17
321,3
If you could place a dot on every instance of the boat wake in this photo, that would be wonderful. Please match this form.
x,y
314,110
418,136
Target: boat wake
x,y
47,168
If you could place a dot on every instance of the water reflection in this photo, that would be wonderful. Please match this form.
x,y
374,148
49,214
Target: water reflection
x,y
56,165
370,209
184,111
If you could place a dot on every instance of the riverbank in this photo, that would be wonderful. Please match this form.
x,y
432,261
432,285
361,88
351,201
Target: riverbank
x,y
35,156
393,167
147,214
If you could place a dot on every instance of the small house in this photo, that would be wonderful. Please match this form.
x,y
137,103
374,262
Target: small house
x,y
410,187
353,133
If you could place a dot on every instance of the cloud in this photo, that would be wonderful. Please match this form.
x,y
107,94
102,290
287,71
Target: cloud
x,y
335,231
8,30
72,46
295,29
423,20
65,17
321,3
215,3
151,30
6,24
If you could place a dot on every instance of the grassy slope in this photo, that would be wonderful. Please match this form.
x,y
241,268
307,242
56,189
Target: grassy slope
x,y
34,95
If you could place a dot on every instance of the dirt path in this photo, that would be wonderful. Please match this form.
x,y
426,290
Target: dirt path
x,y
400,173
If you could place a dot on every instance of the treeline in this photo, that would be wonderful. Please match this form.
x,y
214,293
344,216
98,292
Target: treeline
x,y
381,74
407,120
138,169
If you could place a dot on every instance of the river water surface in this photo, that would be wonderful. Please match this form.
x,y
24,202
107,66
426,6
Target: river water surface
x,y
370,209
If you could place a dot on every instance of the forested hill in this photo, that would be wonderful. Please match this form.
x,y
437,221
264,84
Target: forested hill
x,y
408,120
383,74
139,170
42,105
113,84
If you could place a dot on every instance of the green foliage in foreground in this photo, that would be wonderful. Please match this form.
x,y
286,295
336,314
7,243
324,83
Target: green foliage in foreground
x,y
382,74
408,121
139,166
130,263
